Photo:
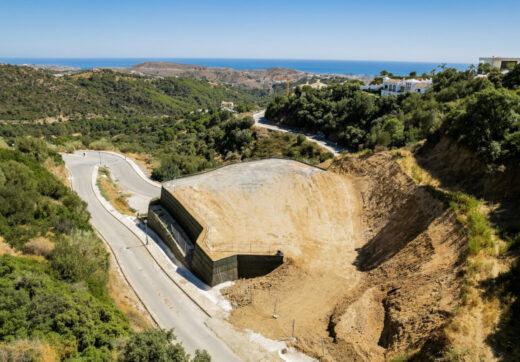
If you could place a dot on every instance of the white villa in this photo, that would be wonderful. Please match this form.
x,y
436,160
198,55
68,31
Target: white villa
x,y
398,86
317,85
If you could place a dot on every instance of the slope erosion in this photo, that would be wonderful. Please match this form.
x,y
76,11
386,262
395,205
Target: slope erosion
x,y
399,285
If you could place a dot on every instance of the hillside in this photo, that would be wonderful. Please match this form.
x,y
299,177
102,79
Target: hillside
x,y
55,273
481,112
29,94
459,147
258,79
387,274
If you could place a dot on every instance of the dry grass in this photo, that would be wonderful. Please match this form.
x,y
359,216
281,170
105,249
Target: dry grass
x,y
409,164
39,246
27,350
478,314
60,171
82,75
126,300
145,161
112,192
7,249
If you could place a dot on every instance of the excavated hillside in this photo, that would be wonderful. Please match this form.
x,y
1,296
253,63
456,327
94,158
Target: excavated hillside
x,y
401,285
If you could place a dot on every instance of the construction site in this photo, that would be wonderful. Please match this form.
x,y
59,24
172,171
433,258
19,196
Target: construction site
x,y
355,262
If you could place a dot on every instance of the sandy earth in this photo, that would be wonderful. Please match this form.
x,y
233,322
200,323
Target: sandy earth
x,y
371,268
313,216
270,205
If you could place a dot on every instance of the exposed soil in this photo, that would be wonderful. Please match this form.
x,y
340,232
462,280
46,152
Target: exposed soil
x,y
388,286
264,206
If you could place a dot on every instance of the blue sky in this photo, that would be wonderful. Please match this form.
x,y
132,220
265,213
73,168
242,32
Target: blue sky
x,y
419,30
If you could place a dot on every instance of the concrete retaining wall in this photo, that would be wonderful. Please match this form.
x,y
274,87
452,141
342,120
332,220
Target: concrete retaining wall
x,y
233,267
180,213
154,222
250,266
212,272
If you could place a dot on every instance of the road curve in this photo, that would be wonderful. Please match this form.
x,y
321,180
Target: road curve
x,y
261,121
170,307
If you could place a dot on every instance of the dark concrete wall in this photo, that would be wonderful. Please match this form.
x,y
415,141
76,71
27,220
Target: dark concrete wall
x,y
212,272
155,223
250,266
187,221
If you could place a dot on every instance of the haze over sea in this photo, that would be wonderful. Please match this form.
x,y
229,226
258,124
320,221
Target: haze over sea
x,y
365,67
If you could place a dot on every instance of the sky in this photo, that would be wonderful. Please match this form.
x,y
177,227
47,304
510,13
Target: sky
x,y
418,30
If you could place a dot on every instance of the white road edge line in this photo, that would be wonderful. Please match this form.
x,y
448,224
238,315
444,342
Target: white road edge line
x,y
132,163
111,211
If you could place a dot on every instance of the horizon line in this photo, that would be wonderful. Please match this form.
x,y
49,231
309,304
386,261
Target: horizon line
x,y
240,58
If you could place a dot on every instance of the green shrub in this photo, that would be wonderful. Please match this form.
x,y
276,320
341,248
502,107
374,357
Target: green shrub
x,y
154,345
80,256
35,305
475,221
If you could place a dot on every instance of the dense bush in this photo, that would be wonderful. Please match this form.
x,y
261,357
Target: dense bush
x,y
154,345
475,111
489,123
33,202
28,94
33,304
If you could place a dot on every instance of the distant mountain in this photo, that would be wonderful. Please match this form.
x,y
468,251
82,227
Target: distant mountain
x,y
251,78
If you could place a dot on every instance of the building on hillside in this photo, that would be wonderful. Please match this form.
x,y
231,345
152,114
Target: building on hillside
x,y
227,106
373,88
501,63
398,86
317,85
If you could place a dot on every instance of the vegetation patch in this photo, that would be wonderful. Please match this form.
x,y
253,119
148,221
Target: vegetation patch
x,y
465,336
56,305
111,191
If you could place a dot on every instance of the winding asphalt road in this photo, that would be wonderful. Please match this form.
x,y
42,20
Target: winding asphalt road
x,y
170,307
261,121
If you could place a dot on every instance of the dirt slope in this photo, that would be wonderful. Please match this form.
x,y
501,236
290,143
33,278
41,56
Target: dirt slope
x,y
400,285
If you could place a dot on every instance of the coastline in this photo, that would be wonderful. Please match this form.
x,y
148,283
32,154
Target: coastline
x,y
319,67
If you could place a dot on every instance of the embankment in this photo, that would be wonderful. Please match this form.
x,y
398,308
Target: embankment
x,y
412,262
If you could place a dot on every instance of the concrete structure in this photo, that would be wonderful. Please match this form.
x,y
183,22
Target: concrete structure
x,y
185,235
501,63
227,106
371,87
316,85
221,256
398,86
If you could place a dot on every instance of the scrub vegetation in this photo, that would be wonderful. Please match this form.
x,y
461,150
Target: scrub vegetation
x,y
481,113
54,271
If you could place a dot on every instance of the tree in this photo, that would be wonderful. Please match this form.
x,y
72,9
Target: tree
x,y
155,345
413,74
484,120
512,79
483,68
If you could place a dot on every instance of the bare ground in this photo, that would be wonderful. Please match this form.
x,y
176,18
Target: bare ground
x,y
386,287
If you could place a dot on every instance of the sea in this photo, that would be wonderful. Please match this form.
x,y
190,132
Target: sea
x,y
358,67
